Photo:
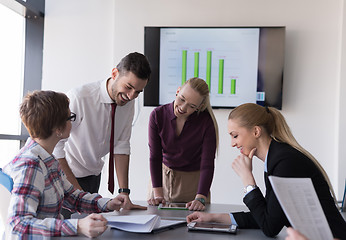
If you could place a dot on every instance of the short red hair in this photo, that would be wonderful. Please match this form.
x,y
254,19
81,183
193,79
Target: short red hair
x,y
43,111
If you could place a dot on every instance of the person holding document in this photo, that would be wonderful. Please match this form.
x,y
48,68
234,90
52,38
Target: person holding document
x,y
40,188
263,132
183,140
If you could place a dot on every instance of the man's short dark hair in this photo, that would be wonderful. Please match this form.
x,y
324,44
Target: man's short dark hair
x,y
136,63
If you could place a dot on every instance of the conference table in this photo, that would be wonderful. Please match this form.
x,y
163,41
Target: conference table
x,y
182,231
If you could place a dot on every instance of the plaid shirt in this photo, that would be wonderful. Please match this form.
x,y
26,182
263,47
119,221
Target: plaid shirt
x,y
39,192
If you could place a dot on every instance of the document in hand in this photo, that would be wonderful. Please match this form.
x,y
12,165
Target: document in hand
x,y
140,223
299,201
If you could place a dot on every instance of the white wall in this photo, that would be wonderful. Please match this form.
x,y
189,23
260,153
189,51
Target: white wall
x,y
78,43
85,38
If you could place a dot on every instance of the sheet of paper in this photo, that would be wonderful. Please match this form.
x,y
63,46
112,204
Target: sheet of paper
x,y
134,223
137,219
166,223
299,200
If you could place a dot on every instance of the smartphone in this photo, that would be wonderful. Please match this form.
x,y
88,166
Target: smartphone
x,y
173,206
212,227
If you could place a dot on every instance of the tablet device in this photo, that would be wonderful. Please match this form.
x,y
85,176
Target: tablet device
x,y
173,206
212,227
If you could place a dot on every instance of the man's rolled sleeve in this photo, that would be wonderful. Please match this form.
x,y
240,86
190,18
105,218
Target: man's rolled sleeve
x,y
122,147
59,151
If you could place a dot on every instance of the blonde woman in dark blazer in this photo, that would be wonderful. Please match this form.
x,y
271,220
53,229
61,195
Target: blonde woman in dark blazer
x,y
264,133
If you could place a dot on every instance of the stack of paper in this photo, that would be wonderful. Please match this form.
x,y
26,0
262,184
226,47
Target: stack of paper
x,y
139,223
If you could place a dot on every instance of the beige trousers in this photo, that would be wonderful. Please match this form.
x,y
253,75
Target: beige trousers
x,y
178,186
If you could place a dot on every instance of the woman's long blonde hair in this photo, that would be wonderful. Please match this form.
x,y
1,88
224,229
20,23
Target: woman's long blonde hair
x,y
249,115
202,88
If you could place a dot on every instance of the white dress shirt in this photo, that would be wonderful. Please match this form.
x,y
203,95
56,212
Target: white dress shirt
x,y
90,134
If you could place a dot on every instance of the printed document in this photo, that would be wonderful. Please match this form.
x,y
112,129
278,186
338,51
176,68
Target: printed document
x,y
299,201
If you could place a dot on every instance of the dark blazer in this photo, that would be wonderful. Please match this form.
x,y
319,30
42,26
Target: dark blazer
x,y
266,212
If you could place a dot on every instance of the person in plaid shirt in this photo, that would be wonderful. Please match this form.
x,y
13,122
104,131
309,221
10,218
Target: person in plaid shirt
x,y
40,187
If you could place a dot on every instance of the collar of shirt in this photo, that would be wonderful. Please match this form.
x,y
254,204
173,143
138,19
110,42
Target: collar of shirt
x,y
38,150
266,163
104,96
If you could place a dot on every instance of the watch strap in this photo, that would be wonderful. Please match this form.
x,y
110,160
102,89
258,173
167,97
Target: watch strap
x,y
124,190
202,200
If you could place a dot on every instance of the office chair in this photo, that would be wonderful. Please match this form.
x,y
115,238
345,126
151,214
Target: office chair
x,y
6,180
6,185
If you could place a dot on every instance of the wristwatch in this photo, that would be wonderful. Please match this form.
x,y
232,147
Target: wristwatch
x,y
249,188
202,200
125,190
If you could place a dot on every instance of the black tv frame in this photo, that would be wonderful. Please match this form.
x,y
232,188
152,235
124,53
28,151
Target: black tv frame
x,y
152,52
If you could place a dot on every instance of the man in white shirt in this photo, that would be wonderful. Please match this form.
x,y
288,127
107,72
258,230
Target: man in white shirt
x,y
80,155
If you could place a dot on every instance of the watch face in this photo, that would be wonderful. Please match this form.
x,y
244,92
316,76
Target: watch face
x,y
249,188
202,200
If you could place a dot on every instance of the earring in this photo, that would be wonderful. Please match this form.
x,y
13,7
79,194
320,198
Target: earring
x,y
59,134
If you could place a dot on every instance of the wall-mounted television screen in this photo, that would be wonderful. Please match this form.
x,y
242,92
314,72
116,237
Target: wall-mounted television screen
x,y
239,64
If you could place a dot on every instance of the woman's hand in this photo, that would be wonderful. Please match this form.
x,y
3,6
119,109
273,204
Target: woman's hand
x,y
195,205
158,197
92,225
156,201
294,235
209,217
242,165
199,217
